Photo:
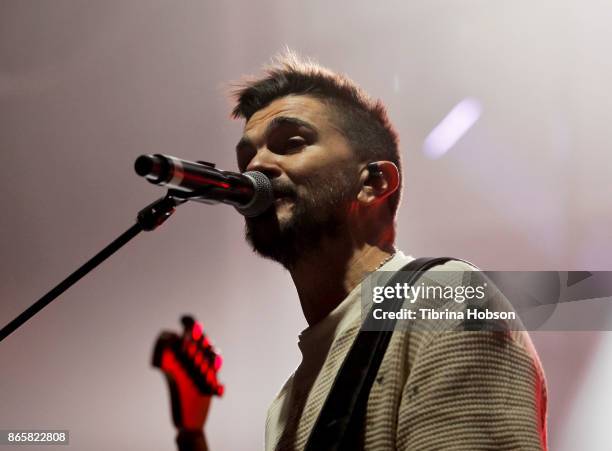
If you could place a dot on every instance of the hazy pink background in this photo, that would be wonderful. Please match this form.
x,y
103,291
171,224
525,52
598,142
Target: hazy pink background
x,y
85,87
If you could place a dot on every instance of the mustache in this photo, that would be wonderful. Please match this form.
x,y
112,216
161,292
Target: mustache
x,y
283,189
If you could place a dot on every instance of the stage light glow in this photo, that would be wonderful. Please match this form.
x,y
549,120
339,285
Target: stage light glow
x,y
454,125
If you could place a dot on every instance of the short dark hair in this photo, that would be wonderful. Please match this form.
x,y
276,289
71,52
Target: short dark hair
x,y
363,120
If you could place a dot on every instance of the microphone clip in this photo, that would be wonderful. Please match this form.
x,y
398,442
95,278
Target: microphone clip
x,y
156,213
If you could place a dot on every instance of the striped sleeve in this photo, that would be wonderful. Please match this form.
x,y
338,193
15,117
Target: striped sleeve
x,y
471,390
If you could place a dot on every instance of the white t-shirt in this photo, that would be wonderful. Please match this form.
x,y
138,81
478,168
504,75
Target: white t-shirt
x,y
315,342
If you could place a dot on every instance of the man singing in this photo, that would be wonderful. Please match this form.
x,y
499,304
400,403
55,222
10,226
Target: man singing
x,y
332,156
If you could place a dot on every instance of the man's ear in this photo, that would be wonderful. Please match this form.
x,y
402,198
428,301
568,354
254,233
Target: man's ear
x,y
378,181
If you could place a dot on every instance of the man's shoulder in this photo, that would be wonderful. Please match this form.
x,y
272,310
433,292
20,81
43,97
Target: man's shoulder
x,y
450,273
461,273
401,260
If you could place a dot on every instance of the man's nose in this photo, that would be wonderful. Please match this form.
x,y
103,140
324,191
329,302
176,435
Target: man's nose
x,y
265,161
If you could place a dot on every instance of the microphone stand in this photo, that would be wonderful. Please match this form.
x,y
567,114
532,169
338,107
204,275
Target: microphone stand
x,y
149,218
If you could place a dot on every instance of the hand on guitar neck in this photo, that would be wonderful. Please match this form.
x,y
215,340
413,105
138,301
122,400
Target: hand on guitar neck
x,y
190,364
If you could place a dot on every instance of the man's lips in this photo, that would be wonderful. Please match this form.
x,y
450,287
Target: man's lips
x,y
280,199
283,195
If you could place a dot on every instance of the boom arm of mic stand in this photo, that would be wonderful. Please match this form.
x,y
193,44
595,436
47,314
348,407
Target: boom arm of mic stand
x,y
149,218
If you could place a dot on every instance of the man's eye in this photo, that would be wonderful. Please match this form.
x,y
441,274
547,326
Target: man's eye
x,y
294,143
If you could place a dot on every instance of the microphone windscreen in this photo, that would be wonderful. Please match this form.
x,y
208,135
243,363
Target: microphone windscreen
x,y
263,195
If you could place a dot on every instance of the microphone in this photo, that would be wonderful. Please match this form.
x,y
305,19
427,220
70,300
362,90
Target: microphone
x,y
250,193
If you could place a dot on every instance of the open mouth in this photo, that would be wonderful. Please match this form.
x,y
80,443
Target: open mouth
x,y
283,194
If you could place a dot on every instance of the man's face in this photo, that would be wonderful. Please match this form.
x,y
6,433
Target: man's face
x,y
314,175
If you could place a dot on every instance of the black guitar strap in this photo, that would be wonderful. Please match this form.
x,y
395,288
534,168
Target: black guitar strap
x,y
340,422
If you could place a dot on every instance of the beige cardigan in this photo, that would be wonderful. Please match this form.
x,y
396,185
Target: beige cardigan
x,y
436,390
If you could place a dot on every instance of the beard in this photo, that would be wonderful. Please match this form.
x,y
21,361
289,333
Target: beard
x,y
320,212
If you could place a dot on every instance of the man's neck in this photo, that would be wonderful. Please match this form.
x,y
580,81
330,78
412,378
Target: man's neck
x,y
325,277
